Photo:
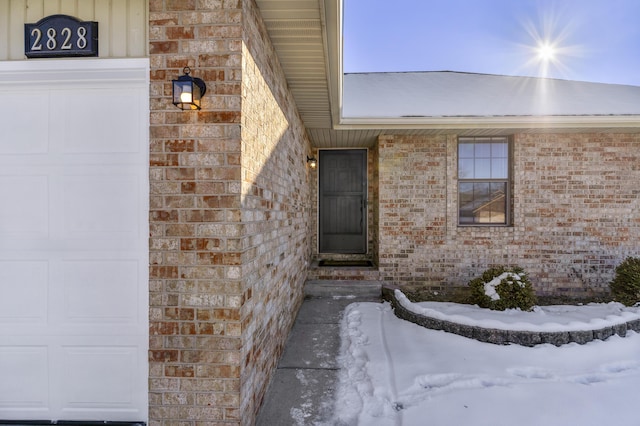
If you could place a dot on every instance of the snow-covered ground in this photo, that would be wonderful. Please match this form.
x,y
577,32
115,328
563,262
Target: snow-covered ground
x,y
394,372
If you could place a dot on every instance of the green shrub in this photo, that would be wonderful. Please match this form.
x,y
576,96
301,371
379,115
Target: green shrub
x,y
503,288
625,286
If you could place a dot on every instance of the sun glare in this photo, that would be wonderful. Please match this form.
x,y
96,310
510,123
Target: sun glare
x,y
549,51
546,52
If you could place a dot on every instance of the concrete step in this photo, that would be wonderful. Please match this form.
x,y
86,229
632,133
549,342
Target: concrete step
x,y
343,273
343,288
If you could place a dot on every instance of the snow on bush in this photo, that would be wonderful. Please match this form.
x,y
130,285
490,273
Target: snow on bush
x,y
490,287
503,288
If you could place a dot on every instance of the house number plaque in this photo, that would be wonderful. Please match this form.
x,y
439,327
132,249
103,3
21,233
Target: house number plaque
x,y
59,36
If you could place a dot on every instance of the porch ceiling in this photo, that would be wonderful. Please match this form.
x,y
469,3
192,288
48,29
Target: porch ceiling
x,y
307,37
303,33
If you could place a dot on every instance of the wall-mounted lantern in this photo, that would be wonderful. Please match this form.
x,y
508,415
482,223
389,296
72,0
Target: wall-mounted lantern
x,y
188,91
313,163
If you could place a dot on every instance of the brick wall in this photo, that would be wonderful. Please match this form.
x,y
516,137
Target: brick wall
x,y
575,213
228,209
275,210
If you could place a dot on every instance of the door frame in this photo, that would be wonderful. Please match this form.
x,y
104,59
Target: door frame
x,y
366,211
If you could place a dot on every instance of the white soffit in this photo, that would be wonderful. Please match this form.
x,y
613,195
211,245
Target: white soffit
x,y
296,31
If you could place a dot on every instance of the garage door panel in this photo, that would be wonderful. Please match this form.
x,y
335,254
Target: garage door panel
x,y
115,210
100,291
74,260
27,283
24,209
26,369
88,386
24,133
82,125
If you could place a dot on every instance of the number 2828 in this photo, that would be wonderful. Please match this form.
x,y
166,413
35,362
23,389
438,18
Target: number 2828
x,y
51,40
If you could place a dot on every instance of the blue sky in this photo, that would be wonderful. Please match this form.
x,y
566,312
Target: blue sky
x,y
593,40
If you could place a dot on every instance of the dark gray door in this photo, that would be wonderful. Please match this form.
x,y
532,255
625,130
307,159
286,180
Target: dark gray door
x,y
343,201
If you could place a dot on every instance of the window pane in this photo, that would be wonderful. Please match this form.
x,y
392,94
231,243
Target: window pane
x,y
482,202
466,193
465,196
499,150
465,150
465,168
494,211
481,190
482,169
483,150
499,168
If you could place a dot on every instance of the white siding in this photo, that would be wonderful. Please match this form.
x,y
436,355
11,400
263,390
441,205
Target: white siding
x,y
122,24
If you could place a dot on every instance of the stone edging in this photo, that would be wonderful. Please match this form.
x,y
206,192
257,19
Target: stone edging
x,y
505,337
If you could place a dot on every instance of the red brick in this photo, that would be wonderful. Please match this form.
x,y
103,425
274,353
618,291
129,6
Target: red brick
x,y
188,187
222,201
180,4
164,132
163,356
180,146
163,328
158,75
179,33
163,160
183,314
177,63
179,371
227,314
212,75
163,47
163,216
219,116
200,243
180,173
177,116
163,272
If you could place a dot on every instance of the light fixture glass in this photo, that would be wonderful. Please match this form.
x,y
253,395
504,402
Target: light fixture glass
x,y
186,97
188,91
313,163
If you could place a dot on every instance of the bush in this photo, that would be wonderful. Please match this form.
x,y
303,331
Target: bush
x,y
503,288
625,286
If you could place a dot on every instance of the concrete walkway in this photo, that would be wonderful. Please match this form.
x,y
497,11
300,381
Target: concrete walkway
x,y
303,388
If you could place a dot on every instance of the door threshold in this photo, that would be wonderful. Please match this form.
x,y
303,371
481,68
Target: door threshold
x,y
348,263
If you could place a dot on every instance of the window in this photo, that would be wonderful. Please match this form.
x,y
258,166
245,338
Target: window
x,y
484,181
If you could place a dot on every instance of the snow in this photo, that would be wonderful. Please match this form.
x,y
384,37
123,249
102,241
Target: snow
x,y
490,287
393,372
458,94
592,316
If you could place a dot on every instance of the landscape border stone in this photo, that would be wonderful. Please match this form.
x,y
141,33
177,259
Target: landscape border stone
x,y
506,337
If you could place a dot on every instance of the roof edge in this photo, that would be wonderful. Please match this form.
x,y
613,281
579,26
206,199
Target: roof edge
x,y
519,77
515,122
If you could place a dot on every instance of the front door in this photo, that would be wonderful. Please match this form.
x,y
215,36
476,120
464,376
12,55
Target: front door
x,y
343,201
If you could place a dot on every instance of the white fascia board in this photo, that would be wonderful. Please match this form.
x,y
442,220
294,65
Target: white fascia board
x,y
550,122
46,71
332,18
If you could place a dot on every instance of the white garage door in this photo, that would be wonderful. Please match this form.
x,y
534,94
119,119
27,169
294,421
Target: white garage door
x,y
73,239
